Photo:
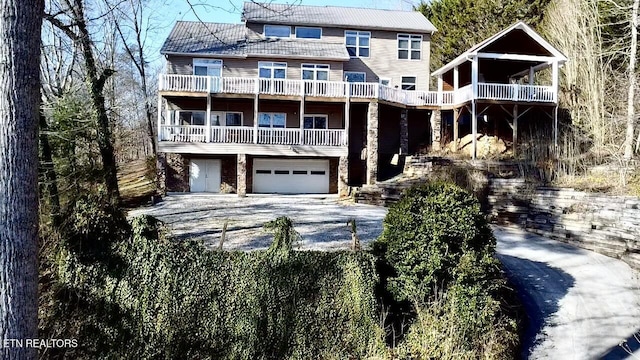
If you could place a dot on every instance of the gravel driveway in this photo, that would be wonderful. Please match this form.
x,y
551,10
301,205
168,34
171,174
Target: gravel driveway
x,y
581,304
321,221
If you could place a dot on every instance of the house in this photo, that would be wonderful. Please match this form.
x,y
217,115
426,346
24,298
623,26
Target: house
x,y
314,99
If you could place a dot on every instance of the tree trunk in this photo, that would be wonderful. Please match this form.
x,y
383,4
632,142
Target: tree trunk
x,y
628,142
49,173
105,137
20,24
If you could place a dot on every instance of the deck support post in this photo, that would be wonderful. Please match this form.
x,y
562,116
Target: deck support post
x,y
474,130
160,103
555,125
255,118
372,143
456,79
555,75
347,122
515,129
302,113
207,121
456,130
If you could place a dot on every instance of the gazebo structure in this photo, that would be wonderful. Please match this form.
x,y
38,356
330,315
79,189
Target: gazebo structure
x,y
508,73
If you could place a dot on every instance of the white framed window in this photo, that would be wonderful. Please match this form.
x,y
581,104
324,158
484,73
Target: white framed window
x,y
233,118
277,31
207,67
408,83
272,70
315,72
385,81
315,121
191,117
409,47
355,76
272,120
308,32
358,43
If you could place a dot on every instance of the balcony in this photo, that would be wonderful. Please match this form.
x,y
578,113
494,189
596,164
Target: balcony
x,y
345,90
251,135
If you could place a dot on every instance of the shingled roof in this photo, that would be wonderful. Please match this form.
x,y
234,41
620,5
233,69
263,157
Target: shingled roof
x,y
236,40
337,16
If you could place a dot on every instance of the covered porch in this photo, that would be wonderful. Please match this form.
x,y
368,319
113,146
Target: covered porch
x,y
513,71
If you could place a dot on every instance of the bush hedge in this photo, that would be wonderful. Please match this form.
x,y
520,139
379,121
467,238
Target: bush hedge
x,y
437,252
180,300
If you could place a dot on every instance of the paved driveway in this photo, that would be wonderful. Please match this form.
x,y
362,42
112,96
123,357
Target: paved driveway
x,y
581,304
321,221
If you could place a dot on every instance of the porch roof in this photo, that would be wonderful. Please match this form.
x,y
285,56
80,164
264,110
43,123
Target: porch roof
x,y
537,44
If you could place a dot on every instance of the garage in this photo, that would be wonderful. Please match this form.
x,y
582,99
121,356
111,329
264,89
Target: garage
x,y
290,176
204,175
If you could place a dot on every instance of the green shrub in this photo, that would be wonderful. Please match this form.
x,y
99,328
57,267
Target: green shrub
x,y
181,300
426,234
437,252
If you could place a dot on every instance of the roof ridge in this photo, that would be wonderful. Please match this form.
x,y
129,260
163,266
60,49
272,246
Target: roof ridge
x,y
330,6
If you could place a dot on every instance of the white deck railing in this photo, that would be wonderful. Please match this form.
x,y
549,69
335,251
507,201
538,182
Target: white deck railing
x,y
244,135
183,133
232,134
276,136
317,137
340,89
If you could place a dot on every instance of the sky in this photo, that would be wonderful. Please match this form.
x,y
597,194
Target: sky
x,y
228,11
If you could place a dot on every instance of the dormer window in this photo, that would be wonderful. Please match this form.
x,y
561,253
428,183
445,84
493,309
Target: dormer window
x,y
277,31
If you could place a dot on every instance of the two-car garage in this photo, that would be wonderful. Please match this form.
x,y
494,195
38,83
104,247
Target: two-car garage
x,y
290,176
269,176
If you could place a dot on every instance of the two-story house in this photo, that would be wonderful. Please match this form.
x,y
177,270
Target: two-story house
x,y
312,99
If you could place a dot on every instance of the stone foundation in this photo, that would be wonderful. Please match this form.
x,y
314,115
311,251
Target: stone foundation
x,y
404,132
333,176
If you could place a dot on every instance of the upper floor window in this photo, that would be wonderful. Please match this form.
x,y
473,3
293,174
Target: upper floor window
x,y
409,46
408,83
308,33
315,72
207,67
357,43
280,31
272,70
191,117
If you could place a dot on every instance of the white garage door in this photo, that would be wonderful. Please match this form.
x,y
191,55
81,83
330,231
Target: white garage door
x,y
287,176
204,175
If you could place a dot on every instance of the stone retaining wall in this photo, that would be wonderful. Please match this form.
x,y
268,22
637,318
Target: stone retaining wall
x,y
609,225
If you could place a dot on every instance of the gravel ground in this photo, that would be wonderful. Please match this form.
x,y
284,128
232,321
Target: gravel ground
x,y
581,304
321,221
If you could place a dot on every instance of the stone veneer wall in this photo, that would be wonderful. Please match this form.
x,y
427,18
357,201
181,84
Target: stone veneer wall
x,y
229,174
609,225
176,172
333,175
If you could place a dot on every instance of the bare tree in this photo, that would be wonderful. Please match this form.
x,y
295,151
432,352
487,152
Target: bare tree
x,y
130,23
71,19
631,113
20,26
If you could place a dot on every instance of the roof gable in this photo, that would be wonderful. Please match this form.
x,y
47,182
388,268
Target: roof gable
x,y
486,44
